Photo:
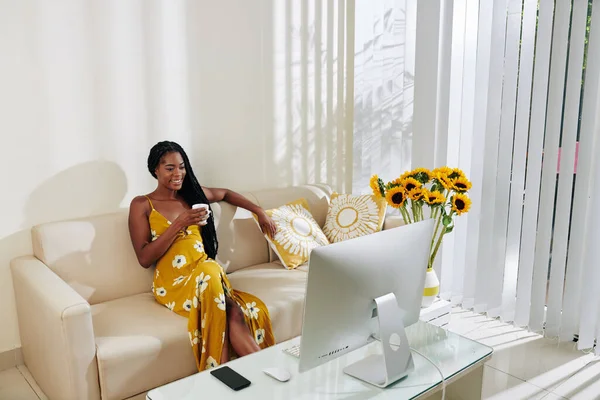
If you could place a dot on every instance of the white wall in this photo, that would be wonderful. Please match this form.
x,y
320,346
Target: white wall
x,y
86,88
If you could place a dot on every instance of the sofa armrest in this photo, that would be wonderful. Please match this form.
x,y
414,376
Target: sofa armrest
x,y
393,221
57,334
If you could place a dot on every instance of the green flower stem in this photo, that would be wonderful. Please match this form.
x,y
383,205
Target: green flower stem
x,y
437,227
412,207
439,242
434,213
404,215
437,246
410,221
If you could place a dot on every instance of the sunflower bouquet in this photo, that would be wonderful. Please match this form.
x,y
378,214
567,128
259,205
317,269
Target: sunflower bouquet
x,y
442,190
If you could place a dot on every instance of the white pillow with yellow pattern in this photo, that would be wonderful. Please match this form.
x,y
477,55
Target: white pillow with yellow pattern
x,y
297,233
351,216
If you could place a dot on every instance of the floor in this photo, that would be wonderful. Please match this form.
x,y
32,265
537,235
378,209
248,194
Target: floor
x,y
524,365
18,384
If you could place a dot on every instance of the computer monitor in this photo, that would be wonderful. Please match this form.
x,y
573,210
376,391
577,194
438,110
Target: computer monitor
x,y
363,289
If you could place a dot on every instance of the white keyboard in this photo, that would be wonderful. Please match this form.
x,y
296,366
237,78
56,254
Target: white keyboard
x,y
293,350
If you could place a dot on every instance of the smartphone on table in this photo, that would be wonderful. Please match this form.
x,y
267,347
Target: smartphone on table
x,y
231,378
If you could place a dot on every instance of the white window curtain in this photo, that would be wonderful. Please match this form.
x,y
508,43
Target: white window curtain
x,y
384,49
521,116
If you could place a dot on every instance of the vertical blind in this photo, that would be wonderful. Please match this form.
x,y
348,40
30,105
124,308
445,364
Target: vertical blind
x,y
523,121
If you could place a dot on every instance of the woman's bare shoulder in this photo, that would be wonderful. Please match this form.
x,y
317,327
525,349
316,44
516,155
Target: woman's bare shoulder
x,y
140,203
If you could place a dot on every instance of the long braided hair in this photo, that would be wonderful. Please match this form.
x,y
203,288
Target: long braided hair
x,y
190,191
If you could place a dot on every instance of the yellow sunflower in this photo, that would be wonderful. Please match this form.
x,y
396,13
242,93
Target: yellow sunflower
x,y
457,173
445,171
374,184
411,183
395,182
396,197
460,203
416,194
407,174
434,198
461,184
423,175
444,181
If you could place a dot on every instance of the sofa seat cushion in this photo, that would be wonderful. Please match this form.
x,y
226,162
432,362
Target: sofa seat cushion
x,y
140,345
281,290
301,267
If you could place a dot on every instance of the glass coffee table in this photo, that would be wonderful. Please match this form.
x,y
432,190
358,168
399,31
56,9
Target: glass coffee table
x,y
456,356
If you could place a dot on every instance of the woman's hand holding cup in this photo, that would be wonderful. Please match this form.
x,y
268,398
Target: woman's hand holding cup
x,y
204,213
190,217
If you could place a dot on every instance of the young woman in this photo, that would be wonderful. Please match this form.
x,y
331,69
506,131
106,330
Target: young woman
x,y
182,243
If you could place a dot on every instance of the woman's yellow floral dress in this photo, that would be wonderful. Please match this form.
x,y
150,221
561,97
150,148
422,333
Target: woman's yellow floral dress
x,y
189,283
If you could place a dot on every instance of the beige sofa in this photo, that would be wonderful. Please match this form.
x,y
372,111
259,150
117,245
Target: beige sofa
x,y
90,327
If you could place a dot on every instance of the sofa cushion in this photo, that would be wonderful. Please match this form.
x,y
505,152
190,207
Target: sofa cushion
x,y
281,290
351,216
317,196
93,255
303,267
142,345
297,233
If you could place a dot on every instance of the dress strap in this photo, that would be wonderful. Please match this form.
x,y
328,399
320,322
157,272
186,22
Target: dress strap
x,y
149,201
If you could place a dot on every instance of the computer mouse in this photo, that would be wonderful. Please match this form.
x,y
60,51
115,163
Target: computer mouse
x,y
281,374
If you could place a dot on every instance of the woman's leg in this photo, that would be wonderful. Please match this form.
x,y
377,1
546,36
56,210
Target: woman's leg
x,y
225,353
240,336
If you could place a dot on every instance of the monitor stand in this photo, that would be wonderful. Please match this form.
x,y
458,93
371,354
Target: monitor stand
x,y
396,361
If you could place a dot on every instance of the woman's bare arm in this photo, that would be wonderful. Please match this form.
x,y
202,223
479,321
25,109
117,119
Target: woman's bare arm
x,y
146,250
218,194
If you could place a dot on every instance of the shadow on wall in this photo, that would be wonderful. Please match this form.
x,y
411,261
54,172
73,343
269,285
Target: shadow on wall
x,y
90,188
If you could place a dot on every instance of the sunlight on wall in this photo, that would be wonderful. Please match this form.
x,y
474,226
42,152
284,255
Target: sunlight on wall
x,y
310,72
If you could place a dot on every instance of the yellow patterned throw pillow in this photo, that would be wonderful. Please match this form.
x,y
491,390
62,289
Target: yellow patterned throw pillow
x,y
297,233
351,216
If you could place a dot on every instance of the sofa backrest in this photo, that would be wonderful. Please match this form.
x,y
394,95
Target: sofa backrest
x,y
94,254
241,243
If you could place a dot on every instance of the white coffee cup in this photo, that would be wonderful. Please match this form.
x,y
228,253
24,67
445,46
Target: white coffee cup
x,y
203,207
